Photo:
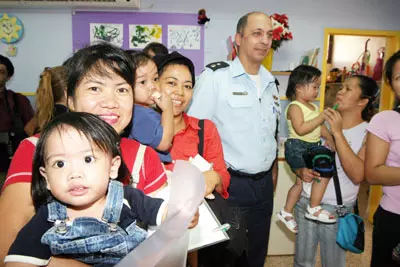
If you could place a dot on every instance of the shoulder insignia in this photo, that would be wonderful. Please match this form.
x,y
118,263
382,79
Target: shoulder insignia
x,y
277,84
217,65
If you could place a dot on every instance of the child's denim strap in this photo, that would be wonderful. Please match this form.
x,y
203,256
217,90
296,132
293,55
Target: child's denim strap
x,y
114,203
57,211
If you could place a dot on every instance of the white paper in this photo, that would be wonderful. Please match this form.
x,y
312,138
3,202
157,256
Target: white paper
x,y
202,164
203,234
184,37
187,191
103,32
141,35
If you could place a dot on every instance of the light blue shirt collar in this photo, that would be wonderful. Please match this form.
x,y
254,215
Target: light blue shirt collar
x,y
265,76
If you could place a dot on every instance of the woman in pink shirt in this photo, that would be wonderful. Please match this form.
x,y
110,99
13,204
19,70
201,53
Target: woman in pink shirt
x,y
382,167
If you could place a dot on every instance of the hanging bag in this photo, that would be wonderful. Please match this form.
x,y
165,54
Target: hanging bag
x,y
219,205
351,231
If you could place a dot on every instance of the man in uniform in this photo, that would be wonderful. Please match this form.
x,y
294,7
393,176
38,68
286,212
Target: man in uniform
x,y
242,99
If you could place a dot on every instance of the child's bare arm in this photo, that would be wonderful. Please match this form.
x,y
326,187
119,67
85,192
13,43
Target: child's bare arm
x,y
295,115
167,120
328,137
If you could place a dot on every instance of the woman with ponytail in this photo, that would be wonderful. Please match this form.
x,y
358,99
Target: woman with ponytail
x,y
348,124
51,96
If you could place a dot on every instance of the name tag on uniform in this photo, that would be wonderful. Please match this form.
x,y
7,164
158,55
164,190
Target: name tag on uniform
x,y
239,93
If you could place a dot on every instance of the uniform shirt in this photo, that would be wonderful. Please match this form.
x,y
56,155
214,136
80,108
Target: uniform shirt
x,y
28,248
308,114
245,122
152,174
147,129
385,125
185,145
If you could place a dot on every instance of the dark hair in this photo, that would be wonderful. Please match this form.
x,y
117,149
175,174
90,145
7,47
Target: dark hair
x,y
9,66
163,61
93,128
139,59
301,75
369,89
98,59
157,48
390,65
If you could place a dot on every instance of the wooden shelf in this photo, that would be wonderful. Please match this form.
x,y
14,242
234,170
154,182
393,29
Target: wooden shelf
x,y
280,72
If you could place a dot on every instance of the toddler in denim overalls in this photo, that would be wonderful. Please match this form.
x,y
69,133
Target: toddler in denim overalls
x,y
82,212
306,126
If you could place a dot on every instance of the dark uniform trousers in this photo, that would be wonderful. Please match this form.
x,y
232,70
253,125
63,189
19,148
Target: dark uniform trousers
x,y
250,206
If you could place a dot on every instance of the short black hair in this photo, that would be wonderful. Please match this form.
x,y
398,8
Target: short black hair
x,y
174,58
93,128
98,59
139,58
390,65
301,75
9,66
369,89
157,48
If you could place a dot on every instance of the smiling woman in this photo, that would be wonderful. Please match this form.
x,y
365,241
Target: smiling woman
x,y
177,80
99,82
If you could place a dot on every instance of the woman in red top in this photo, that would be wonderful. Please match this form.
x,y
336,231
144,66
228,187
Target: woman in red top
x,y
100,80
176,74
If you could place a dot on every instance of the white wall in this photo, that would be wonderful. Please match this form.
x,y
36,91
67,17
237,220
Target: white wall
x,y
48,40
348,49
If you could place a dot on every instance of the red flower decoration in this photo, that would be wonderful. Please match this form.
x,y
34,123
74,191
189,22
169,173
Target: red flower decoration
x,y
281,32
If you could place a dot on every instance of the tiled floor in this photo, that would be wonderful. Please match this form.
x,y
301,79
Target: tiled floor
x,y
353,260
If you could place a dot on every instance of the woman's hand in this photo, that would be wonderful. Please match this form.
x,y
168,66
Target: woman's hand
x,y
307,175
335,120
195,220
212,180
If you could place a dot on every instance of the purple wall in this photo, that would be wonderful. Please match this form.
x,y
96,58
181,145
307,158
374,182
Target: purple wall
x,y
81,28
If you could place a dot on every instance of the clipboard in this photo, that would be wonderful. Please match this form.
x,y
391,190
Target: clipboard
x,y
203,235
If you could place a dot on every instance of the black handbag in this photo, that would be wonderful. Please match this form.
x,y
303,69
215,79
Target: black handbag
x,y
219,205
321,159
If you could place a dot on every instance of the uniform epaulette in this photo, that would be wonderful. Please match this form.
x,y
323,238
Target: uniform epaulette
x,y
217,65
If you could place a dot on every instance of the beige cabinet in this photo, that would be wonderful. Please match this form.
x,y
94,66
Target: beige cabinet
x,y
281,241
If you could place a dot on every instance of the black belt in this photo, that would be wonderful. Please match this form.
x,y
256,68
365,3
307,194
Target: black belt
x,y
253,176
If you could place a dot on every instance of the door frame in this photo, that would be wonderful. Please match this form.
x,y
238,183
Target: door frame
x,y
387,97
